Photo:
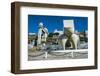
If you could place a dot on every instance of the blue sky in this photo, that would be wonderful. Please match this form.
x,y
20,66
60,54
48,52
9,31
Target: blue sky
x,y
55,22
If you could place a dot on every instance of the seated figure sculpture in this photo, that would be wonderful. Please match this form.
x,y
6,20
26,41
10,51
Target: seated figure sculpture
x,y
69,32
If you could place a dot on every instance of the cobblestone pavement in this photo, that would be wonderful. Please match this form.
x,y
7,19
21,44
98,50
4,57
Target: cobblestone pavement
x,y
57,55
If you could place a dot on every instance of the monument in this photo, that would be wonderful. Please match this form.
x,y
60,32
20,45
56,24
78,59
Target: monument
x,y
42,34
69,27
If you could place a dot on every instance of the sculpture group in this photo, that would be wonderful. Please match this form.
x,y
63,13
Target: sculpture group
x,y
68,29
